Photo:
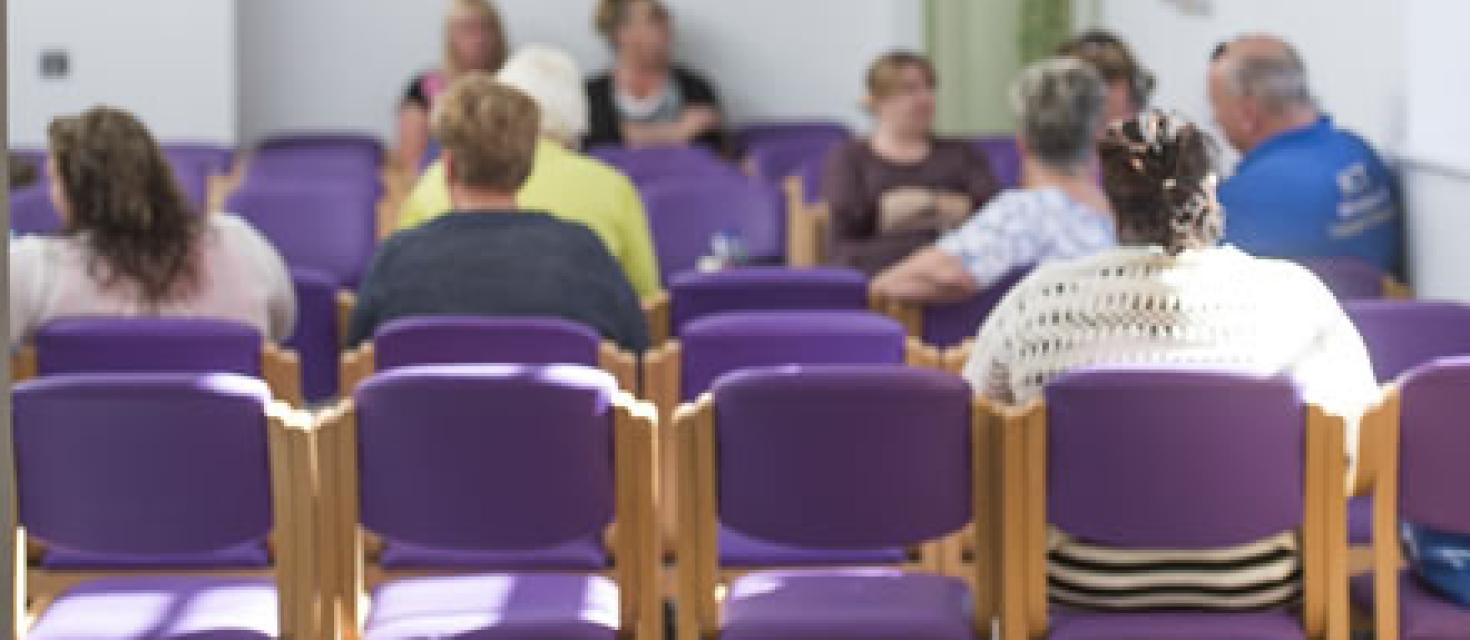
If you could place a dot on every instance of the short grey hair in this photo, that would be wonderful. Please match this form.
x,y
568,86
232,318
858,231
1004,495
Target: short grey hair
x,y
1059,102
552,78
1278,80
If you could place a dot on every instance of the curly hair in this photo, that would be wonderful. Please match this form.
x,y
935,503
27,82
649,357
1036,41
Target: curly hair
x,y
123,202
1158,175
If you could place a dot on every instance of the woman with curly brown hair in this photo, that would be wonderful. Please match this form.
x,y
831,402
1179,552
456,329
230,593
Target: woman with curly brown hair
x,y
1169,294
133,245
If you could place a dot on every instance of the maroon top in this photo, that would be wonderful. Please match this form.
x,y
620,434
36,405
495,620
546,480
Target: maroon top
x,y
859,185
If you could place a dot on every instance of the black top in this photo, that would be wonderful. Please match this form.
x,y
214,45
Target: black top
x,y
417,95
604,119
517,263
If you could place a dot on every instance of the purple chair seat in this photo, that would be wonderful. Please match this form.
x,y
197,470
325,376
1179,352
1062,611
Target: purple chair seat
x,y
580,555
162,608
250,555
514,607
853,604
1266,625
1422,615
740,550
1347,277
948,325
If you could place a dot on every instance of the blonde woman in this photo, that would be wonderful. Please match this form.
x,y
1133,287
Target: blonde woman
x,y
474,40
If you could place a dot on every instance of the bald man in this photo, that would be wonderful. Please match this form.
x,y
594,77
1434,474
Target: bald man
x,y
1304,188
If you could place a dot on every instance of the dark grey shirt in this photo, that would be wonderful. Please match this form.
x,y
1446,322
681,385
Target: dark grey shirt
x,y
500,263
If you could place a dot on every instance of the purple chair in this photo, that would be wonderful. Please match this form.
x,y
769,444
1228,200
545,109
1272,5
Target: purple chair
x,y
152,465
654,165
214,159
757,134
777,160
953,324
1421,479
444,455
685,215
1172,458
31,210
330,227
837,457
317,339
1347,277
1005,159
696,294
359,144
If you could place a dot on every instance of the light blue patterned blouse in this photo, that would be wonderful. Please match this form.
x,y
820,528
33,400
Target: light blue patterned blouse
x,y
1022,227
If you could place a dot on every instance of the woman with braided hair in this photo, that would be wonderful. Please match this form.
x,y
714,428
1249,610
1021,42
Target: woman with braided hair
x,y
1198,304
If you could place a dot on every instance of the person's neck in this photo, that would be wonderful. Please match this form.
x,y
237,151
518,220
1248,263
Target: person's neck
x,y
472,199
1291,119
896,145
1080,183
638,77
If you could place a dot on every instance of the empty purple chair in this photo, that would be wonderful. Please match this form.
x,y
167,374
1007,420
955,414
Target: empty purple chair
x,y
757,134
695,294
653,165
31,210
1174,458
155,465
1005,159
445,454
685,215
329,227
951,324
1428,477
837,457
317,339
1348,278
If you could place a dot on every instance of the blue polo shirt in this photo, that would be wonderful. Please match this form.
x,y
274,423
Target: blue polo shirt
x,y
1315,191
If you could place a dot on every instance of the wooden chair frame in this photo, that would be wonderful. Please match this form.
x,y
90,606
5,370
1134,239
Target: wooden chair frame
x,y
698,573
806,226
279,367
293,485
635,548
656,315
1378,474
1024,525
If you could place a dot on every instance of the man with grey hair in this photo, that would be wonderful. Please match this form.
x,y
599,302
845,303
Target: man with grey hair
x,y
1060,212
1303,188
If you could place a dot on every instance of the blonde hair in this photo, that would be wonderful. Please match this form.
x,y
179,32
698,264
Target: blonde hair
x,y
883,77
611,14
494,27
490,131
551,77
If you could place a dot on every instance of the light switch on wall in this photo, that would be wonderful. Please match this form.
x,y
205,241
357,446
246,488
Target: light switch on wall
x,y
55,64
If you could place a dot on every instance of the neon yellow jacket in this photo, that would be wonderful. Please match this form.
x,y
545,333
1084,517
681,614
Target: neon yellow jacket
x,y
572,187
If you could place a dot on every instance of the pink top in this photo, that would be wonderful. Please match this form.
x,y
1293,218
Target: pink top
x,y
242,278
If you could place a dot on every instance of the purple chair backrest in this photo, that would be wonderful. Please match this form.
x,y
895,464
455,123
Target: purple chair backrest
x,y
1433,439
684,215
158,463
486,457
478,339
812,172
147,344
31,210
1174,458
658,164
363,145
775,160
316,340
843,456
1347,277
1005,159
719,344
213,159
328,227
1403,334
947,325
750,136
695,294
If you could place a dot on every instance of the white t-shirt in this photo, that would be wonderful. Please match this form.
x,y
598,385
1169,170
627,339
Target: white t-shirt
x,y
242,277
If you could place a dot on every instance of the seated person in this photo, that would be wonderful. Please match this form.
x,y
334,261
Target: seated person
x,y
647,100
488,256
1129,85
132,244
563,182
900,188
1203,304
1304,187
474,40
22,172
1060,211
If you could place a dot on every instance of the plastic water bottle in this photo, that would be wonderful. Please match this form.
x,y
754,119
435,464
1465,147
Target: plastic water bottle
x,y
726,250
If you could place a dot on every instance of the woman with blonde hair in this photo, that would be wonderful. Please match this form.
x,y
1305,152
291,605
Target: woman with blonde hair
x,y
133,245
474,40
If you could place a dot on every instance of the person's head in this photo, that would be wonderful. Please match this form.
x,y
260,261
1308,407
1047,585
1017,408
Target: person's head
x,y
22,172
114,188
489,133
474,38
901,92
1059,106
1129,84
551,77
640,31
1258,88
1158,175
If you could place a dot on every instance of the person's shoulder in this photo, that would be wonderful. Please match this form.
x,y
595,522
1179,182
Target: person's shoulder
x,y
37,248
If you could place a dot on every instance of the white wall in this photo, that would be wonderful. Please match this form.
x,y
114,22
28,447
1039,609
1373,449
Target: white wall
x,y
1354,51
344,64
172,62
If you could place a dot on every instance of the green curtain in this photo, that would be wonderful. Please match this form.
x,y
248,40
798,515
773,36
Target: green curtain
x,y
1045,24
